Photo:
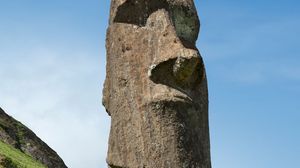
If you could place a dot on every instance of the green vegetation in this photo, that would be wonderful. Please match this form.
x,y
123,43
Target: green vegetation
x,y
14,158
7,163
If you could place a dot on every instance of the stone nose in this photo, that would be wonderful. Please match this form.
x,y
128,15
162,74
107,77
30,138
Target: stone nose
x,y
183,70
185,65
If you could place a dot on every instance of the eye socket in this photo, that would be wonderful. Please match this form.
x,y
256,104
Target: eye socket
x,y
186,23
137,11
184,19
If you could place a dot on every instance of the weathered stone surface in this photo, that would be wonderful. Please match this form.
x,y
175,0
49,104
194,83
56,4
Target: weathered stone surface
x,y
14,133
155,89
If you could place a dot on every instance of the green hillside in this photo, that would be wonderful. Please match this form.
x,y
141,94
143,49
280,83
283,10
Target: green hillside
x,y
14,158
24,141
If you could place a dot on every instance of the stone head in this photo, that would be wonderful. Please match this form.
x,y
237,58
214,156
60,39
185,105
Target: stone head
x,y
155,89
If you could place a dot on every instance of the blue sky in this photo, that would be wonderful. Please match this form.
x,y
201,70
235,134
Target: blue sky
x,y
52,67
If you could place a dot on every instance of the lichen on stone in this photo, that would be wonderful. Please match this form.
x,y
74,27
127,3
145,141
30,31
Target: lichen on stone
x,y
186,23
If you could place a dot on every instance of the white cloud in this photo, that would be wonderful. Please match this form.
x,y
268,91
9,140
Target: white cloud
x,y
58,95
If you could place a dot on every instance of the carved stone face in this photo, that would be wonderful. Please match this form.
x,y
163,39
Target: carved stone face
x,y
155,89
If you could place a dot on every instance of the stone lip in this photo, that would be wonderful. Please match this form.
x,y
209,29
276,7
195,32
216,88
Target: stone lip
x,y
20,137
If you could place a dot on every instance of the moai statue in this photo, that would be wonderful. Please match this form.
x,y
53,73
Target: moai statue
x,y
155,89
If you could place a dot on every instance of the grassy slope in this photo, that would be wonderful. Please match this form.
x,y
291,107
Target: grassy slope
x,y
18,158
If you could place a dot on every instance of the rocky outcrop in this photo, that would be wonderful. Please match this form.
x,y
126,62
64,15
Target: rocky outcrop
x,y
156,89
14,133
